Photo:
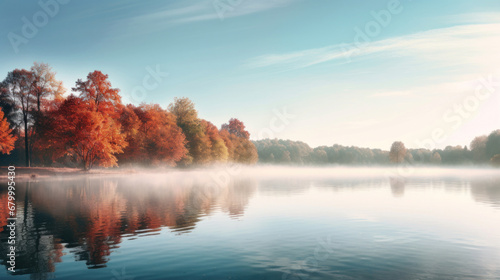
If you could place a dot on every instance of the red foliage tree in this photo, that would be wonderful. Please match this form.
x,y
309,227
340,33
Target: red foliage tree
x,y
157,140
89,135
237,128
97,92
237,140
131,125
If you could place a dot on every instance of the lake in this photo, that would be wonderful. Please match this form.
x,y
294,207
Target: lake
x,y
259,223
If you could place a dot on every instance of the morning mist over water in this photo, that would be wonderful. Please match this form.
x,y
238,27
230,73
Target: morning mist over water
x,y
290,222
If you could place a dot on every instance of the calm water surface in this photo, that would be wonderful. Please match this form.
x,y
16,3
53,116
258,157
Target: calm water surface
x,y
262,223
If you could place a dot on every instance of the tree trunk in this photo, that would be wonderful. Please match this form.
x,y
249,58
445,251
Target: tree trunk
x,y
86,166
26,145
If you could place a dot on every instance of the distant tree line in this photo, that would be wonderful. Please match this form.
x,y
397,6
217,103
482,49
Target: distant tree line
x,y
296,152
483,150
40,126
91,127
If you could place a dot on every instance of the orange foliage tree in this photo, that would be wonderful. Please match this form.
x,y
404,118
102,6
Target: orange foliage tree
x,y
93,127
90,136
7,140
131,125
218,149
237,140
99,94
153,135
237,128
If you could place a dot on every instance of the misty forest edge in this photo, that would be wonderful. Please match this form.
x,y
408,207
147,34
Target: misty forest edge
x,y
91,127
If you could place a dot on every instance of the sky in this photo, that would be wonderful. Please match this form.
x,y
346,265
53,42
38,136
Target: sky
x,y
349,72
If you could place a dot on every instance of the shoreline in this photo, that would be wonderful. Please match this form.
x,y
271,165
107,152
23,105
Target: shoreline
x,y
27,173
53,172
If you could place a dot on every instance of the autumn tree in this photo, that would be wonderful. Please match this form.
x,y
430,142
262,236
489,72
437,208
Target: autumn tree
x,y
45,86
98,93
236,138
7,140
43,137
130,125
218,149
91,136
245,151
228,142
478,148
18,85
436,158
197,143
157,140
237,128
398,152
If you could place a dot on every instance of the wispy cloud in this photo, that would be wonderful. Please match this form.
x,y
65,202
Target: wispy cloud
x,y
392,93
196,11
471,43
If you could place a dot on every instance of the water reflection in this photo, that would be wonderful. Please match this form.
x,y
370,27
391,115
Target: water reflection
x,y
397,186
486,191
38,249
90,218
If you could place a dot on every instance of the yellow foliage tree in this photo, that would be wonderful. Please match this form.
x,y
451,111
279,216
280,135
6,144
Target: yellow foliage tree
x,y
7,140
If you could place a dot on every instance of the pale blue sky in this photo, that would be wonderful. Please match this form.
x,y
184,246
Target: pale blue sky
x,y
250,57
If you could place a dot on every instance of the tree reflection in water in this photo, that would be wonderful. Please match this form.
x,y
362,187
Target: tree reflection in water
x,y
397,186
90,216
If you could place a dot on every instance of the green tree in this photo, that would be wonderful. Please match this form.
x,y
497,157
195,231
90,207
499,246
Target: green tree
x,y
436,158
197,142
495,160
493,144
478,148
